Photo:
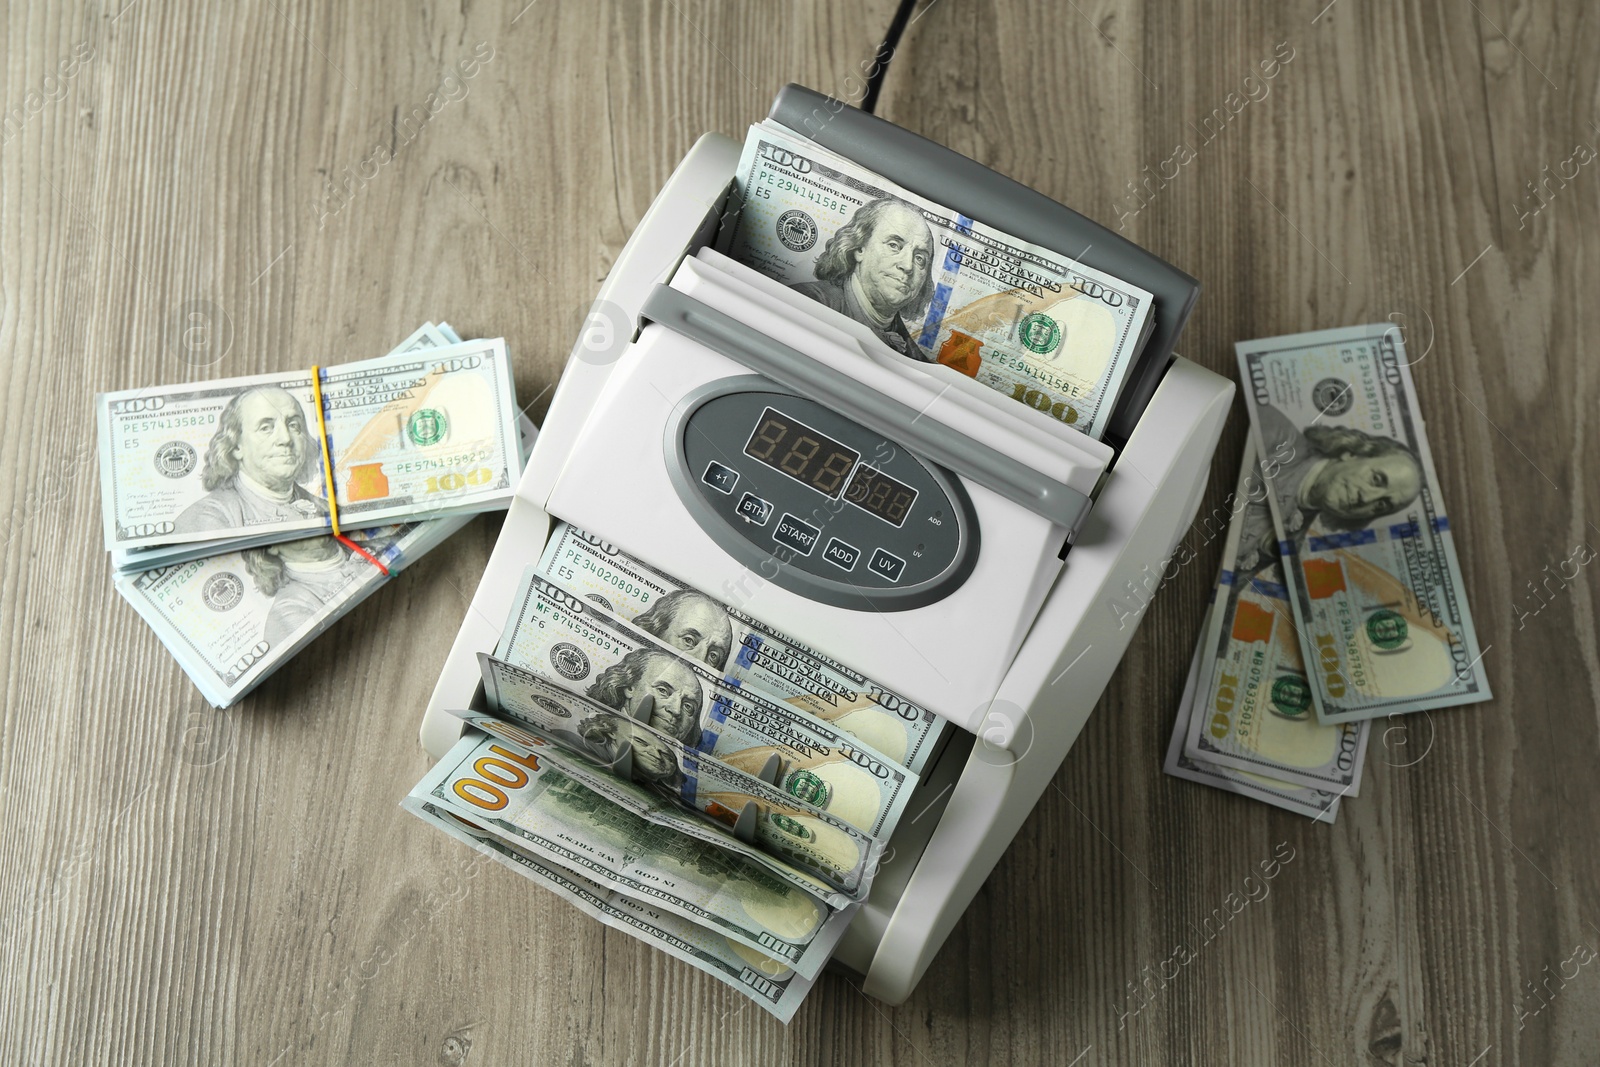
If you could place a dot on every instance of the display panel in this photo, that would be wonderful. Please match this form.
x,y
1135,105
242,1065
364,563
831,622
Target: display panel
x,y
788,445
909,538
879,495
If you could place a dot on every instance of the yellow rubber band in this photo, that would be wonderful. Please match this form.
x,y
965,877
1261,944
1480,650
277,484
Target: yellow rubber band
x,y
327,459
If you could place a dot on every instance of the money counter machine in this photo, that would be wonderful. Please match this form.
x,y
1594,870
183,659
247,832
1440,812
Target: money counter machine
x,y
1014,582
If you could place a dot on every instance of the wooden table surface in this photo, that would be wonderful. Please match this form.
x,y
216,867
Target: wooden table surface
x,y
182,885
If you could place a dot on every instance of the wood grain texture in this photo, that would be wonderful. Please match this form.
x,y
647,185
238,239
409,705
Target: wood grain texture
x,y
179,885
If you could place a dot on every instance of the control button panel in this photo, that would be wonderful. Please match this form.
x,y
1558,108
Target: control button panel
x,y
753,509
819,504
720,478
841,554
800,536
886,565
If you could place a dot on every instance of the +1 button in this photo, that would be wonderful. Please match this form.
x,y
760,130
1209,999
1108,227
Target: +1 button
x,y
720,478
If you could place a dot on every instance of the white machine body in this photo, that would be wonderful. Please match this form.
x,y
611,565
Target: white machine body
x,y
950,654
1014,654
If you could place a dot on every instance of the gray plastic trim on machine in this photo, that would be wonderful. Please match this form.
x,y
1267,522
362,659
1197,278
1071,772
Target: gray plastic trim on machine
x,y
932,441
948,177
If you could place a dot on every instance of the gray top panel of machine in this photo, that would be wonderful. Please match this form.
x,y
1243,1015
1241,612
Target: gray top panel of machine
x,y
940,174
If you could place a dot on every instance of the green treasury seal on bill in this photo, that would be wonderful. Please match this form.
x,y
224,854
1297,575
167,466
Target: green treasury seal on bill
x,y
1313,802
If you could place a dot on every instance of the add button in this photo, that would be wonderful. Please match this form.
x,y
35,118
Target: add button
x,y
841,554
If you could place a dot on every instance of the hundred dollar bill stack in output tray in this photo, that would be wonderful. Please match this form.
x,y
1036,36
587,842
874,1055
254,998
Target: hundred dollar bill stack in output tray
x,y
1001,595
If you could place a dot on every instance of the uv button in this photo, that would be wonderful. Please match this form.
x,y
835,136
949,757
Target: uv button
x,y
886,565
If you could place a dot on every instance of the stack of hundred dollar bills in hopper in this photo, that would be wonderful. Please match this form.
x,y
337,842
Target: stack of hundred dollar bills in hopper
x,y
675,767
1340,599
215,502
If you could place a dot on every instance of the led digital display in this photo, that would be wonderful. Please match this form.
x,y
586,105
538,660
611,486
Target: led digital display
x,y
879,495
790,446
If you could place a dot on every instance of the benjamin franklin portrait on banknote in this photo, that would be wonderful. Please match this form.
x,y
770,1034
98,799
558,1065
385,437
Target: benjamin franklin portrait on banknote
x,y
302,576
1337,476
692,623
878,269
648,674
255,466
653,762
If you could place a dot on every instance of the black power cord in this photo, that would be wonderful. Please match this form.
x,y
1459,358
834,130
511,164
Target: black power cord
x,y
886,50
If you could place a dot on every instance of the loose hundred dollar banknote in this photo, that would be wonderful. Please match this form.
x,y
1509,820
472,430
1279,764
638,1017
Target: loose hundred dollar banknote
x,y
1253,711
559,821
746,651
1310,801
808,848
239,462
933,284
587,650
776,986
1368,554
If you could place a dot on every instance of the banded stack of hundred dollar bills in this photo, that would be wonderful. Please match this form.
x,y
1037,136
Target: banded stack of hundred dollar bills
x,y
679,770
214,494
1340,599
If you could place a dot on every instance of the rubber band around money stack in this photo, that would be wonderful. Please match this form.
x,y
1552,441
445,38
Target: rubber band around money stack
x,y
328,484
